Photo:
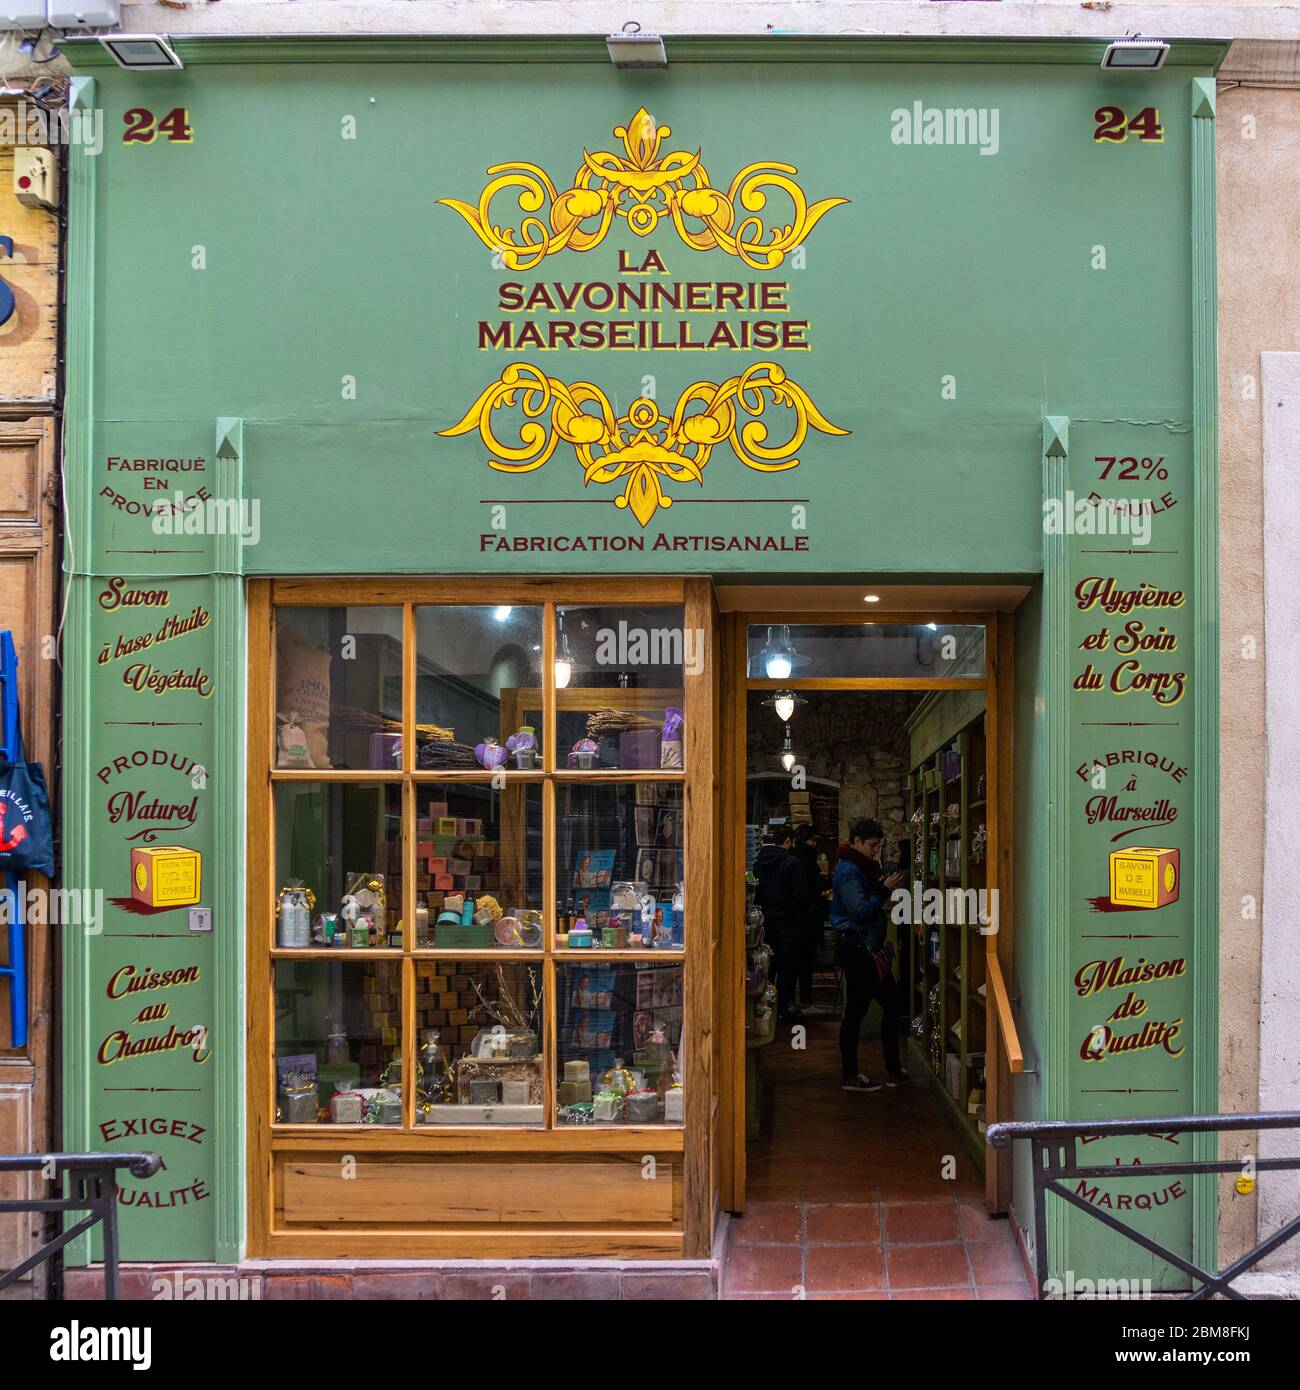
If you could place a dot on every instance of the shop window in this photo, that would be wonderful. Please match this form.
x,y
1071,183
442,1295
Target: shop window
x,y
479,1057
478,866
338,687
620,866
478,912
838,651
338,1041
478,687
338,865
620,1030
620,691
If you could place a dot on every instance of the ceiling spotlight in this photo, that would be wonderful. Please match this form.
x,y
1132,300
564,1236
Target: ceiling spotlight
x,y
633,49
1135,54
784,702
141,52
787,751
779,656
870,598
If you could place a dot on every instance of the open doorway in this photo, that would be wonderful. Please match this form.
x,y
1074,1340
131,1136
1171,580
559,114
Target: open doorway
x,y
889,787
893,721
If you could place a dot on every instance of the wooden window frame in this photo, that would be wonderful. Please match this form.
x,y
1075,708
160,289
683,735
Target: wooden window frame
x,y
686,1148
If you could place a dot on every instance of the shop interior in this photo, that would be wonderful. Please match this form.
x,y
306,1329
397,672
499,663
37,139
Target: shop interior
x,y
915,760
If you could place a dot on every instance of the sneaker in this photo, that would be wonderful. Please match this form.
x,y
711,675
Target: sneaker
x,y
860,1083
897,1078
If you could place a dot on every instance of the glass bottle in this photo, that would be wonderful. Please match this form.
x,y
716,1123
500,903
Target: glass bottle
x,y
434,1079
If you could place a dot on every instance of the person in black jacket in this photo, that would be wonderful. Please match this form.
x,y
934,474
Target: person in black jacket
x,y
813,924
860,896
783,895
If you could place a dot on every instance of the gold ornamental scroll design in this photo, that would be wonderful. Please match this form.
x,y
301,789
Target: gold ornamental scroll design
x,y
644,449
643,186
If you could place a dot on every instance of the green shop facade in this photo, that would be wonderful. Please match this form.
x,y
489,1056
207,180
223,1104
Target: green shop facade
x,y
448,424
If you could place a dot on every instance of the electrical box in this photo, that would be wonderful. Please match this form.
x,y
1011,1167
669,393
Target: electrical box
x,y
21,14
91,14
36,177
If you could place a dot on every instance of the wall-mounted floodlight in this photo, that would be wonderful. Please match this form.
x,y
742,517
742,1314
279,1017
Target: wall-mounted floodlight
x,y
631,48
1136,54
141,52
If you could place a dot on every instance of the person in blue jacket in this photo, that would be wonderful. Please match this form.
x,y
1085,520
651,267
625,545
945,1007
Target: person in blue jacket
x,y
860,895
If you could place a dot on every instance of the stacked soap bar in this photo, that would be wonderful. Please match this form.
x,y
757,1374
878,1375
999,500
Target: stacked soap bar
x,y
575,1089
453,855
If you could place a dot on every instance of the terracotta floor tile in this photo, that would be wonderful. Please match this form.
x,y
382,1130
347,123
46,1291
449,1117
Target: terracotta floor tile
x,y
926,1266
896,1188
764,1269
855,1295
841,1223
865,1168
769,1223
932,1295
997,1264
857,1267
991,1292
921,1223
979,1228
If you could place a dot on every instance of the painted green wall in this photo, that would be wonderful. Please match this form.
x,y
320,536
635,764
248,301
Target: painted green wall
x,y
293,312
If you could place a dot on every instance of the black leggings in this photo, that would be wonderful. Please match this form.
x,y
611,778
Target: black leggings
x,y
861,985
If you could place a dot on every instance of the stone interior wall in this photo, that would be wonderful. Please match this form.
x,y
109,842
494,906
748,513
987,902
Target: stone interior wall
x,y
857,739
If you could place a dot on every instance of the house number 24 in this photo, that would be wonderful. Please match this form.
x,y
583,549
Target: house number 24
x,y
143,127
1114,127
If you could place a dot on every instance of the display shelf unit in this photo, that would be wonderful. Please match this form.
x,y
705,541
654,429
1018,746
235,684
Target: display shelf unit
x,y
947,800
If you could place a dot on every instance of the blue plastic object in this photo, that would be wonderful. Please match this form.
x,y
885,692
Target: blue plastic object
x,y
16,971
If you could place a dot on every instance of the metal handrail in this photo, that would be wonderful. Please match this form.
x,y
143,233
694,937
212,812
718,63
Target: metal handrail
x,y
1055,1157
94,1190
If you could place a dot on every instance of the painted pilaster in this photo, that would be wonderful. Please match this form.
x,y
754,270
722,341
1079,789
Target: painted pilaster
x,y
1205,465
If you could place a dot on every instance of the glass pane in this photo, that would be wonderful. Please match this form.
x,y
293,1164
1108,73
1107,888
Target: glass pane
x,y
619,1035
619,865
338,1042
620,692
479,1059
807,651
476,670
338,687
338,845
478,866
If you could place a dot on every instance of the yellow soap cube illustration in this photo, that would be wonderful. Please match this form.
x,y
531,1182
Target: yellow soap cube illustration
x,y
166,876
1143,876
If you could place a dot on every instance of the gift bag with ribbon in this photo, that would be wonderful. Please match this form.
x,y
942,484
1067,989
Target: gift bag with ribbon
x,y
26,837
